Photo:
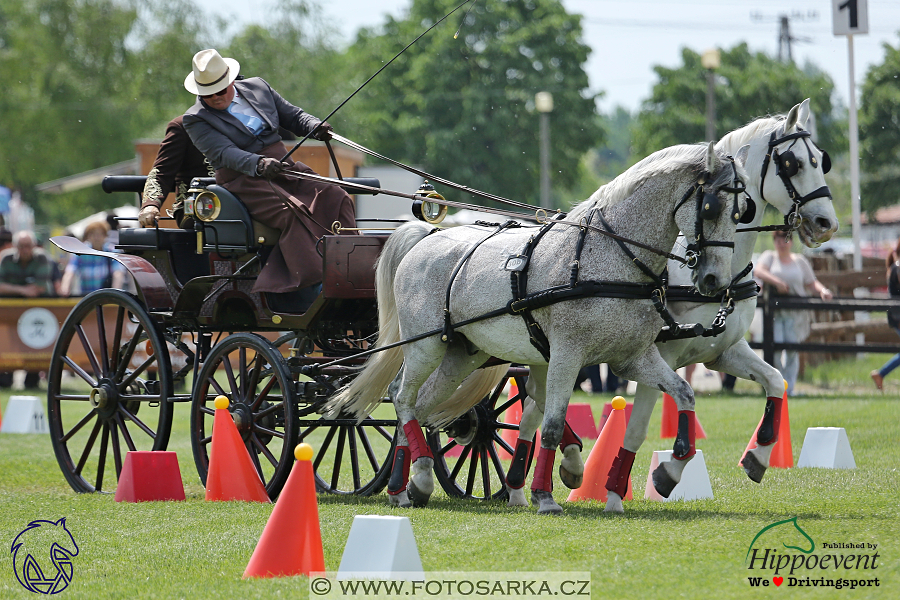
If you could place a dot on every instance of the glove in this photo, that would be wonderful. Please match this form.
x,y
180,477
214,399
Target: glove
x,y
323,132
148,216
269,167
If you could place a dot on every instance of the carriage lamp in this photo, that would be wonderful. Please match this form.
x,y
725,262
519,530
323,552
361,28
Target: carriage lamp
x,y
207,206
430,212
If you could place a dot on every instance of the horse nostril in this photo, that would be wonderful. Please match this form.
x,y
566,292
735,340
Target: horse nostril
x,y
824,224
710,282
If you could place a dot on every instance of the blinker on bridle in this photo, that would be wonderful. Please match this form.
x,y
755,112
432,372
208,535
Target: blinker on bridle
x,y
787,165
709,206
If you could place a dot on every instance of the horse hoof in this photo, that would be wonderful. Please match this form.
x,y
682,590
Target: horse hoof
x,y
614,504
569,479
516,497
753,468
545,503
663,482
417,497
400,500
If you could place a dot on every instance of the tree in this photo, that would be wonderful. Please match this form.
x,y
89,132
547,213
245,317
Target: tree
x,y
748,86
464,107
83,79
879,130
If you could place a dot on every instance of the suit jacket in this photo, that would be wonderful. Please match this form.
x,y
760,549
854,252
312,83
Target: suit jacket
x,y
226,142
177,162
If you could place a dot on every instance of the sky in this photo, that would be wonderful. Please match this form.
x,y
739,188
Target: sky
x,y
629,37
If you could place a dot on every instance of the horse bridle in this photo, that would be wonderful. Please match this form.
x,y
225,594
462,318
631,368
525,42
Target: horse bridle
x,y
787,165
708,207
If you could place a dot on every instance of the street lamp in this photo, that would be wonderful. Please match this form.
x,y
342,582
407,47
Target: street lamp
x,y
543,102
711,59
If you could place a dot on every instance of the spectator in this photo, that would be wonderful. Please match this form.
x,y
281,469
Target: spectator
x,y
787,273
25,269
893,315
94,272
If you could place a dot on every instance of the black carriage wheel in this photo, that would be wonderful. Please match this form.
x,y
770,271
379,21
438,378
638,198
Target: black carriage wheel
x,y
114,398
253,375
351,458
467,458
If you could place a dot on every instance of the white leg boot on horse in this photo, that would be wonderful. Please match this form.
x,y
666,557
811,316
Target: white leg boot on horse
x,y
741,361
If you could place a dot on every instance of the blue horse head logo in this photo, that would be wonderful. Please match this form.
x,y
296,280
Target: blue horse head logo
x,y
40,545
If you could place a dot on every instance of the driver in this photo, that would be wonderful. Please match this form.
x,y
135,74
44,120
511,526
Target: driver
x,y
234,123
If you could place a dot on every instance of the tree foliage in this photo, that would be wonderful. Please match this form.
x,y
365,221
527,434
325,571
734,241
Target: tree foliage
x,y
748,86
879,130
464,108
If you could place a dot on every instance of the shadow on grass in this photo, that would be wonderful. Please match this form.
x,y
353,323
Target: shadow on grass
x,y
634,511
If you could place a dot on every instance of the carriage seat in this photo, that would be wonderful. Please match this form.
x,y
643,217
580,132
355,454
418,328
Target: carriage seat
x,y
234,230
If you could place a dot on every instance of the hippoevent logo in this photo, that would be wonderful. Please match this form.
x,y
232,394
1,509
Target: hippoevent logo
x,y
42,556
784,554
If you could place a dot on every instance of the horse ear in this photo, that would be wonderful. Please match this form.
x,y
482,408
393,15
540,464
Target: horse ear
x,y
804,113
62,522
793,118
712,161
742,154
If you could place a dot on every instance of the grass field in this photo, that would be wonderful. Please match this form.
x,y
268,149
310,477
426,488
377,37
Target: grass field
x,y
696,549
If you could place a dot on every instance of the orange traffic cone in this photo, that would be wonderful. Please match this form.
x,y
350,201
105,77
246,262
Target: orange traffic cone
x,y
291,543
512,415
669,426
596,469
231,474
782,454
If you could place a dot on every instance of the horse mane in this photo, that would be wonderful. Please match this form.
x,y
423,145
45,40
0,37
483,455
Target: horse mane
x,y
662,162
733,140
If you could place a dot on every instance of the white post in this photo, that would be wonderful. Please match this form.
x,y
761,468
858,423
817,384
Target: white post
x,y
854,163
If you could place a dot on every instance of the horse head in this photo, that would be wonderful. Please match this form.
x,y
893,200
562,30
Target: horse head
x,y
40,544
791,172
782,532
709,214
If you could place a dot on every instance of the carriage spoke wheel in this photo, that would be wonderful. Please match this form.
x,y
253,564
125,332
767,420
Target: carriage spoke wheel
x,y
252,374
351,458
470,455
108,389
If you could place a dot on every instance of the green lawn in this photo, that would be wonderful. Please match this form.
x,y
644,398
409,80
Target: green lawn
x,y
696,549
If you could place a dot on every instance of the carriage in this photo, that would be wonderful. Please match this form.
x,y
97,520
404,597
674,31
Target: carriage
x,y
194,330
285,374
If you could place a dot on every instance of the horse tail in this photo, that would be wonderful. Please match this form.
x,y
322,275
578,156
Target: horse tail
x,y
469,393
365,392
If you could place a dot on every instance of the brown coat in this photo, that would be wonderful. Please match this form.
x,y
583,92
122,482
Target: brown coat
x,y
177,162
303,210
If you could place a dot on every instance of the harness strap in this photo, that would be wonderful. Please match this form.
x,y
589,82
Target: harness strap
x,y
447,334
644,268
519,285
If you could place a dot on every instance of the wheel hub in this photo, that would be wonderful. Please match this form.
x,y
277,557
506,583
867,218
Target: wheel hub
x,y
105,398
243,420
476,426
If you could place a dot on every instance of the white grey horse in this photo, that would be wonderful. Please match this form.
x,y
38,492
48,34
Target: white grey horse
x,y
729,352
425,281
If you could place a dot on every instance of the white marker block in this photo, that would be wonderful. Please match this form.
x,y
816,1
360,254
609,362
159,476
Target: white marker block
x,y
24,414
694,484
826,447
381,547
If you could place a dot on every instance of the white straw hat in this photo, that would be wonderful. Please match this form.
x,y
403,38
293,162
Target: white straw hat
x,y
211,73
